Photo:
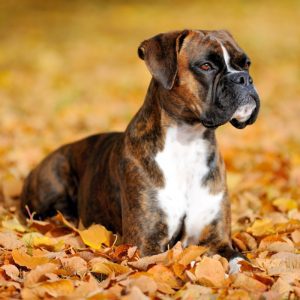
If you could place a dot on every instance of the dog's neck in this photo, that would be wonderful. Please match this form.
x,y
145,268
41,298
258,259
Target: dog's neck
x,y
158,113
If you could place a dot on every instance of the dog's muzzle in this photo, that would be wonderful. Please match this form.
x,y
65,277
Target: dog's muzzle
x,y
244,111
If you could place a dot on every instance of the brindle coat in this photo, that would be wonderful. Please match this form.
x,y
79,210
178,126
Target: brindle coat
x,y
113,178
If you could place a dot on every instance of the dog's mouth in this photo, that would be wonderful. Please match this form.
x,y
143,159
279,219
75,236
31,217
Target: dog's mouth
x,y
246,113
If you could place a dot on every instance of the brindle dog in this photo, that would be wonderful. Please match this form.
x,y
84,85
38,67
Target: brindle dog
x,y
163,179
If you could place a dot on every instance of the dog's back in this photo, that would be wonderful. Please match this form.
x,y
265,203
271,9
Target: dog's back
x,y
65,174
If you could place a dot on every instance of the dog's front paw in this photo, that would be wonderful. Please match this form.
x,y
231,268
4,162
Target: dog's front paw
x,y
234,265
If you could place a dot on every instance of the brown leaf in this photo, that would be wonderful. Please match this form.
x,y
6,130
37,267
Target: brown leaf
x,y
110,267
296,236
74,265
248,283
193,291
10,241
38,273
144,262
63,287
282,288
135,294
145,283
11,271
277,264
85,288
280,247
210,272
190,253
163,274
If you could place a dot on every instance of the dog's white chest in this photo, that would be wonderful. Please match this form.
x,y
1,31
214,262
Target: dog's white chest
x,y
183,163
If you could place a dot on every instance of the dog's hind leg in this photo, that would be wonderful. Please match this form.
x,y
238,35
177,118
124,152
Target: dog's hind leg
x,y
51,186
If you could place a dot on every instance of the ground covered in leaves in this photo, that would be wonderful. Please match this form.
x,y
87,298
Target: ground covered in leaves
x,y
69,71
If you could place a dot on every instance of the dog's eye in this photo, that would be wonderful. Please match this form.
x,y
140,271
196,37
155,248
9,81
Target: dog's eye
x,y
206,67
247,65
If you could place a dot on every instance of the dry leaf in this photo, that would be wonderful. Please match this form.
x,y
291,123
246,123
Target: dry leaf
x,y
23,259
285,205
261,228
10,241
95,236
144,262
109,267
11,271
210,272
163,274
190,253
145,283
13,224
250,284
36,274
74,265
63,287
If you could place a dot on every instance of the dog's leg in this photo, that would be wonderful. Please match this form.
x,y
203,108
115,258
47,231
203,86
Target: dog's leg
x,y
51,186
217,236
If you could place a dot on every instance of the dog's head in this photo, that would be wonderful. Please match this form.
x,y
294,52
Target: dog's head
x,y
207,74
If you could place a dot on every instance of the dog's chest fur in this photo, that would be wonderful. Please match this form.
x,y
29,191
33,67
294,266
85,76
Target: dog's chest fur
x,y
184,199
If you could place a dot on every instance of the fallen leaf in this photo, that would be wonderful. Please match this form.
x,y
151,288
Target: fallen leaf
x,y
190,253
13,224
282,288
63,287
145,283
261,228
23,259
284,204
36,274
163,274
296,236
10,241
210,272
144,262
11,271
248,283
74,265
95,236
110,267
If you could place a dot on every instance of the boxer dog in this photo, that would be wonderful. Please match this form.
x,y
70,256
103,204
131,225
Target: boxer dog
x,y
163,179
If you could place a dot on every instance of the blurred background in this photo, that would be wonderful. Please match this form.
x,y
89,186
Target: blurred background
x,y
70,68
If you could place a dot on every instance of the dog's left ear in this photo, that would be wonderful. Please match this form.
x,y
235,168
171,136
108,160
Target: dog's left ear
x,y
160,55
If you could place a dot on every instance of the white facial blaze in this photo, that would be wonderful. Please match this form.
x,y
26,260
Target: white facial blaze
x,y
227,59
244,112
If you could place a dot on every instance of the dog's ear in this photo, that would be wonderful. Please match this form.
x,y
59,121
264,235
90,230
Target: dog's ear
x,y
160,55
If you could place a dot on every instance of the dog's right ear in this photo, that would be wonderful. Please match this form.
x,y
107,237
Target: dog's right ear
x,y
160,55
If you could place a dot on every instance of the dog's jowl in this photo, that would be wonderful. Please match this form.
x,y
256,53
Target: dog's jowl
x,y
163,179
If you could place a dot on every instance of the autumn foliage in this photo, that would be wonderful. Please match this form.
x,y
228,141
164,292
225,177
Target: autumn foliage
x,y
67,71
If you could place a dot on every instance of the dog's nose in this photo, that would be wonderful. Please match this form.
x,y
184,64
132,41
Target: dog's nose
x,y
242,78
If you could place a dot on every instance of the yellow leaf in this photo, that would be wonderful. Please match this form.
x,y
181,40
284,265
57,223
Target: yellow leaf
x,y
62,219
261,228
284,204
109,267
55,289
95,236
191,253
162,274
13,224
23,259
29,237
